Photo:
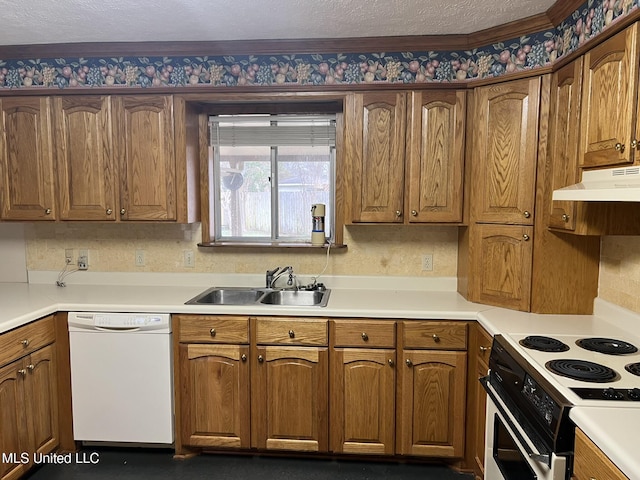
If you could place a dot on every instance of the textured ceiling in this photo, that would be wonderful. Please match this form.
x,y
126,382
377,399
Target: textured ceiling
x,y
71,21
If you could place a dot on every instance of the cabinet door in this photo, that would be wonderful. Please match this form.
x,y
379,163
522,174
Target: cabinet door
x,y
505,146
363,401
215,395
566,89
435,156
376,143
503,256
480,403
84,158
26,161
13,434
289,399
609,101
42,399
431,419
146,157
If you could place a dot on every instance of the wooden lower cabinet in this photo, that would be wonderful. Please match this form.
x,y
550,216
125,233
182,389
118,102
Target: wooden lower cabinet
x,y
590,463
363,401
289,399
215,399
432,386
28,410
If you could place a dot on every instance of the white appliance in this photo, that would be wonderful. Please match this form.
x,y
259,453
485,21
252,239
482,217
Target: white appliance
x,y
121,377
607,185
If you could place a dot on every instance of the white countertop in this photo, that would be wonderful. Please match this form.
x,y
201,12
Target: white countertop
x,y
609,428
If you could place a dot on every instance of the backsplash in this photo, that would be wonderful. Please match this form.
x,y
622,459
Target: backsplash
x,y
372,250
620,271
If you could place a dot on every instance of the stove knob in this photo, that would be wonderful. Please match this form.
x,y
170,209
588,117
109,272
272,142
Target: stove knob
x,y
634,393
612,394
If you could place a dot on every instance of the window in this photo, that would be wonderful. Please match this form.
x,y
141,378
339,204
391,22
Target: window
x,y
268,170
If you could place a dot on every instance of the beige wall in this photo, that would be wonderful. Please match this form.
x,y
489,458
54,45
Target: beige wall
x,y
620,271
372,250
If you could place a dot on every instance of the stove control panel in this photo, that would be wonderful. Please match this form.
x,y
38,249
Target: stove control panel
x,y
541,401
610,393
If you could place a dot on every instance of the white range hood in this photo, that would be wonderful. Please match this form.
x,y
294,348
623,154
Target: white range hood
x,y
608,185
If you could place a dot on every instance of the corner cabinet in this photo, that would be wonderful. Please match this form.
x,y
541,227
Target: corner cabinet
x,y
28,395
405,156
591,463
432,389
26,159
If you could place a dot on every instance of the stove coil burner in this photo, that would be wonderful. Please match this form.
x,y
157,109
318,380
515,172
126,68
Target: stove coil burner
x,y
582,370
544,344
609,346
633,368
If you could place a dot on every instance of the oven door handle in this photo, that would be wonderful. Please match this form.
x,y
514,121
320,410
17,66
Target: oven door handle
x,y
540,457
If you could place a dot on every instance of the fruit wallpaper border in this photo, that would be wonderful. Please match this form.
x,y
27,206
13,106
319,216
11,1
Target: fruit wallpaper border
x,y
332,68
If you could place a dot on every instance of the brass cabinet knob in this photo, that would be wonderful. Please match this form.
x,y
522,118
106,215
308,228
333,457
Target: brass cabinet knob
x,y
398,213
47,211
634,144
436,338
525,237
565,217
212,332
260,358
109,211
364,336
22,372
390,362
484,349
243,357
414,213
619,147
292,334
527,214
30,367
122,211
25,343
408,362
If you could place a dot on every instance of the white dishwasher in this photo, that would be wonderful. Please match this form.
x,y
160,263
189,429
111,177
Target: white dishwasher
x,y
121,377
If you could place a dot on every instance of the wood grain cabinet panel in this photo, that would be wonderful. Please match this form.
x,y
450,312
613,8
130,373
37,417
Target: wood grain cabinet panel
x,y
26,159
145,139
590,463
435,156
13,432
213,329
432,392
609,102
505,147
86,173
215,396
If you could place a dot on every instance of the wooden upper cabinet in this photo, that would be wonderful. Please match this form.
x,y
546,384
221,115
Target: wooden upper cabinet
x,y
505,146
609,116
145,139
564,122
435,156
376,125
84,158
503,256
26,159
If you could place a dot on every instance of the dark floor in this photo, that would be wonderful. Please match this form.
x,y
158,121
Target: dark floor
x,y
121,464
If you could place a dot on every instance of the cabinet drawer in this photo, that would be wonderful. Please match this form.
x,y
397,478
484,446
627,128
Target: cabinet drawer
x,y
364,333
291,331
213,329
24,340
591,463
435,335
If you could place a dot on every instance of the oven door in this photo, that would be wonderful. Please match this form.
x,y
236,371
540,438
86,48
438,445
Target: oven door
x,y
509,454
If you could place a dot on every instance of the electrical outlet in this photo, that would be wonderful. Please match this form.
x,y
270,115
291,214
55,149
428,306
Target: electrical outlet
x,y
68,256
139,258
189,259
83,259
427,262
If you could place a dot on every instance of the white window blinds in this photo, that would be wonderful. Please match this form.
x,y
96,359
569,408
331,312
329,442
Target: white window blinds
x,y
272,130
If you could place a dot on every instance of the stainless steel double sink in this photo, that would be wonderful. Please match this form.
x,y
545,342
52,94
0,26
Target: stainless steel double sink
x,y
261,296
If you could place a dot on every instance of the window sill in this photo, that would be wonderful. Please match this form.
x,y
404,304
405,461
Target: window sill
x,y
269,245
